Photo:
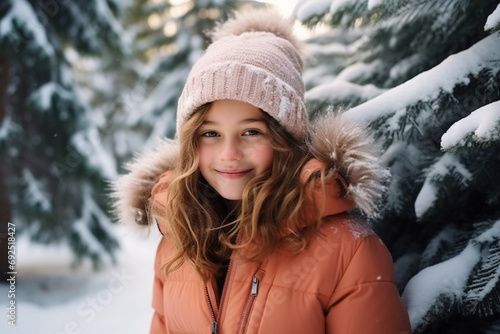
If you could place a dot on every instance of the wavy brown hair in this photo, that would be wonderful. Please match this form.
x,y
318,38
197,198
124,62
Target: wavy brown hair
x,y
204,231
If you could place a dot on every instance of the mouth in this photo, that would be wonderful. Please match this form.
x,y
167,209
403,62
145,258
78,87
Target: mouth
x,y
232,173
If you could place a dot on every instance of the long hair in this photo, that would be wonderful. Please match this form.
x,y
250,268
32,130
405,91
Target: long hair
x,y
204,231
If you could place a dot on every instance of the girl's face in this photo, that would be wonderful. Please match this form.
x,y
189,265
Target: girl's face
x,y
234,146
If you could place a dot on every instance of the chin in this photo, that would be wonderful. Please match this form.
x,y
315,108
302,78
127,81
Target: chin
x,y
231,196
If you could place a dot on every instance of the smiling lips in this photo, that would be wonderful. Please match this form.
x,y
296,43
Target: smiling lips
x,y
232,173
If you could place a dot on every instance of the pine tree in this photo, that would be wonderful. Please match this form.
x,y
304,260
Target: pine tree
x,y
425,75
54,167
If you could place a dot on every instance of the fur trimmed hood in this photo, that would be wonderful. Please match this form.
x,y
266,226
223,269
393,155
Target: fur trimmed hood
x,y
342,145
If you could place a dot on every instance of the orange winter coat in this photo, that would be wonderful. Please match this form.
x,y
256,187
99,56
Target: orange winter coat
x,y
342,283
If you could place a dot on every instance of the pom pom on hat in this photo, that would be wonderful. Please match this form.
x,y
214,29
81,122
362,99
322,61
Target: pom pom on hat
x,y
254,58
268,20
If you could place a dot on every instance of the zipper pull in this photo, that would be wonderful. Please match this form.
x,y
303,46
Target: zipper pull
x,y
215,324
255,286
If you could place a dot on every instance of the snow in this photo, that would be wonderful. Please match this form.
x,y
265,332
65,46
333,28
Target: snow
x,y
339,88
81,226
358,229
8,128
88,143
357,71
338,5
484,123
479,292
21,14
453,71
103,11
446,165
403,66
35,193
425,199
43,95
52,298
81,229
336,49
435,282
444,238
374,3
490,235
305,9
493,20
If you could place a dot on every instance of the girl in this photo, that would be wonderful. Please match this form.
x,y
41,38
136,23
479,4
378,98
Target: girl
x,y
253,203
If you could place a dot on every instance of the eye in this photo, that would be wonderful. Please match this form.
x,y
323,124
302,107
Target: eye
x,y
209,134
252,132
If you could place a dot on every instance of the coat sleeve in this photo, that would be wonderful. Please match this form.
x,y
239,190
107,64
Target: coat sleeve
x,y
366,299
158,322
159,198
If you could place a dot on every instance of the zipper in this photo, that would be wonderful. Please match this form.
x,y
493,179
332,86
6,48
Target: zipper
x,y
255,286
216,317
215,324
254,290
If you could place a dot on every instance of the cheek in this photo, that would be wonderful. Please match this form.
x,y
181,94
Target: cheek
x,y
264,158
204,157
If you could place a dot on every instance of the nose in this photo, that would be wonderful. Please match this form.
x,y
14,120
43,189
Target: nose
x,y
231,150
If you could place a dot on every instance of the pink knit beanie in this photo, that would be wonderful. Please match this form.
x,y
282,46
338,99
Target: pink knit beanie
x,y
254,58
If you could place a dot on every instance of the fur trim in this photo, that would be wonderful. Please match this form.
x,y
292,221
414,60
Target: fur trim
x,y
131,192
342,145
346,147
263,20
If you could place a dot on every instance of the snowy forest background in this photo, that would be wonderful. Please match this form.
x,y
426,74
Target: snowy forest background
x,y
85,85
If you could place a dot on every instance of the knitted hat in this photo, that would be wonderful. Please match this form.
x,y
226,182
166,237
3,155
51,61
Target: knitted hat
x,y
254,58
